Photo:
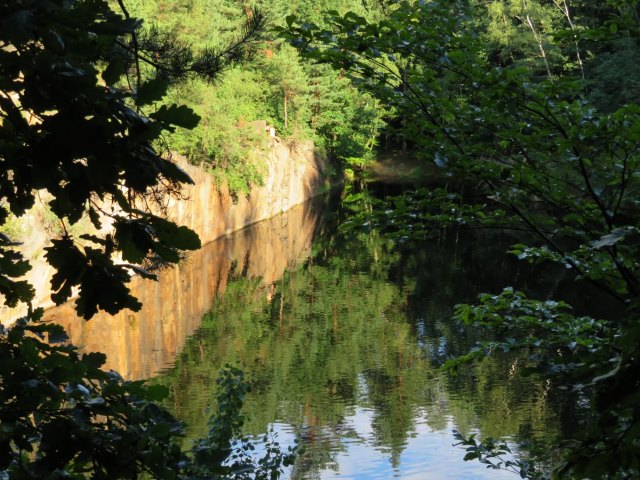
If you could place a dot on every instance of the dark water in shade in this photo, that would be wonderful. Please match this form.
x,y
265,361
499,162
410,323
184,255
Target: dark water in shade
x,y
344,351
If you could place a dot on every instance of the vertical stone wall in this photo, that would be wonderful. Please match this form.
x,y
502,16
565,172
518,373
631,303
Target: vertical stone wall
x,y
293,174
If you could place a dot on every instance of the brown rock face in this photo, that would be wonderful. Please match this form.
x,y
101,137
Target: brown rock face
x,y
293,174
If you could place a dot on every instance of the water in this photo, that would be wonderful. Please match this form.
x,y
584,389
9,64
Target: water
x,y
344,345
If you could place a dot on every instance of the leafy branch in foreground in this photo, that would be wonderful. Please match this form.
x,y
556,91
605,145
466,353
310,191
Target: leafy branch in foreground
x,y
80,125
556,338
65,417
532,153
496,455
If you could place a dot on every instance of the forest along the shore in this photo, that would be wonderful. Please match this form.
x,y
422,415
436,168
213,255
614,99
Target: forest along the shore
x,y
518,119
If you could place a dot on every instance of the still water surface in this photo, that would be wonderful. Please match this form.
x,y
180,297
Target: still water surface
x,y
344,349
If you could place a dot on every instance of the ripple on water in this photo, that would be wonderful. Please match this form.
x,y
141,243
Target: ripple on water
x,y
425,454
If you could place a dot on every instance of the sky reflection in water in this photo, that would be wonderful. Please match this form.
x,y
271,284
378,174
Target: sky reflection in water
x,y
427,454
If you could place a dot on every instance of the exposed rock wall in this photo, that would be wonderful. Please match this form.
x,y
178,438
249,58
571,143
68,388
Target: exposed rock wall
x,y
293,174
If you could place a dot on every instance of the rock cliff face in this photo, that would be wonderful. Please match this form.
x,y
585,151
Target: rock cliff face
x,y
293,174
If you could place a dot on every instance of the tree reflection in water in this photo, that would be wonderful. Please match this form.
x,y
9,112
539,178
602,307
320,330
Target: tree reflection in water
x,y
344,352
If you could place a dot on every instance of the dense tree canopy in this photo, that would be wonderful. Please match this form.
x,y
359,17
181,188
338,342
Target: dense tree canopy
x,y
82,125
300,100
511,100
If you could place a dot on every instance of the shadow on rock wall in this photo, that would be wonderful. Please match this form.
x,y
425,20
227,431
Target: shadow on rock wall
x,y
293,174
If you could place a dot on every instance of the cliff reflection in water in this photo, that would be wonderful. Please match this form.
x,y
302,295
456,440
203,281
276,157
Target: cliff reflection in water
x,y
139,344
344,354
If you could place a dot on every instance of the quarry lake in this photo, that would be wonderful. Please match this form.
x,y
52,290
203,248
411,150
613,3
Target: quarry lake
x,y
342,332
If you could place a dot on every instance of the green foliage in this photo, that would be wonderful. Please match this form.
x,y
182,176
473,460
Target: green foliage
x,y
346,121
530,152
13,228
13,267
299,100
556,339
520,32
65,417
81,115
616,76
494,454
224,142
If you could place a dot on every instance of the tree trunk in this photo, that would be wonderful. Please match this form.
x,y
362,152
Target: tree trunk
x,y
538,36
564,7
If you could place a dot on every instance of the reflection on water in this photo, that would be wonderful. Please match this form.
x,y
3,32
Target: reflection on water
x,y
344,351
138,345
354,453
